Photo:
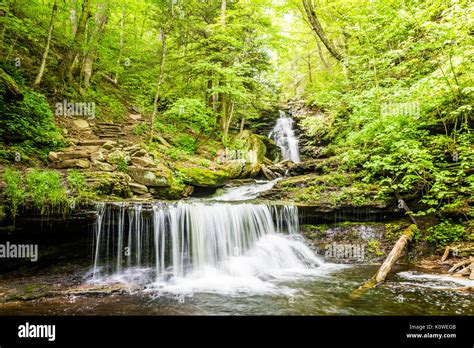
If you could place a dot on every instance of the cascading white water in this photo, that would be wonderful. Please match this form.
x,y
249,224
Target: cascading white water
x,y
285,138
244,192
200,246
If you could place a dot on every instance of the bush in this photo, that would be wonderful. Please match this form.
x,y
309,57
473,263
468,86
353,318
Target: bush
x,y
15,190
122,165
77,185
191,114
141,129
444,233
29,124
46,191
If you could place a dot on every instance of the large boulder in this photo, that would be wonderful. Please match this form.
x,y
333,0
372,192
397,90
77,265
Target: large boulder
x,y
156,177
203,177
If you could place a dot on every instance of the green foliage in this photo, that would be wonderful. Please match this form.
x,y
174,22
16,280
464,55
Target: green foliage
x,y
122,165
445,232
141,129
15,190
29,124
46,191
77,186
373,246
191,114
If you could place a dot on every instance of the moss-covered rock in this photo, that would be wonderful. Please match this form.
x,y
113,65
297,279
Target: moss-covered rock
x,y
106,183
204,177
328,191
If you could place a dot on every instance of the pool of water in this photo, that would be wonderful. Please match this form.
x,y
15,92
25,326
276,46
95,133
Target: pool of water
x,y
328,293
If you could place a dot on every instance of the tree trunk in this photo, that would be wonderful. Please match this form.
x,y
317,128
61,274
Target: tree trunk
x,y
122,20
318,29
223,10
90,56
46,48
160,79
387,265
321,56
68,63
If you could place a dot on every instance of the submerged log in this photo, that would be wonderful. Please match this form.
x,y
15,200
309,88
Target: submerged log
x,y
12,90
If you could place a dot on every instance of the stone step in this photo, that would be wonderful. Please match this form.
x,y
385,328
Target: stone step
x,y
107,127
106,124
91,142
114,137
97,130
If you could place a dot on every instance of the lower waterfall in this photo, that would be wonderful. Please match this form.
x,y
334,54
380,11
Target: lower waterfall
x,y
200,246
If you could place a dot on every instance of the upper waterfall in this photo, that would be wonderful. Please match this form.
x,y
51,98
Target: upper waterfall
x,y
285,138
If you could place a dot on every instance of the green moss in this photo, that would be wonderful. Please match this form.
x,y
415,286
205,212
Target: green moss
x,y
203,176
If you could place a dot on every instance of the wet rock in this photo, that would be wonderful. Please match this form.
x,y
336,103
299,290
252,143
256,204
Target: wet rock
x,y
268,174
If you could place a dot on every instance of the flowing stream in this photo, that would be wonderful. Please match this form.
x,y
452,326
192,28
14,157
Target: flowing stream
x,y
285,138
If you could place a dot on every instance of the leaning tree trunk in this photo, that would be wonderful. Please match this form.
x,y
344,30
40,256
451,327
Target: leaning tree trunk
x,y
318,29
160,79
389,262
48,42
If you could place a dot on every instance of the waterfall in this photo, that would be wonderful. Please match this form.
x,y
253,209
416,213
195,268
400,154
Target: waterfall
x,y
199,245
285,138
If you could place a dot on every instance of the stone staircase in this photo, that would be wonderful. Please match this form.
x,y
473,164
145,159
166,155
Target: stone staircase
x,y
109,131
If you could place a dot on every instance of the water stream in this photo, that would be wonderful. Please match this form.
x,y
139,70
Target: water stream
x,y
285,138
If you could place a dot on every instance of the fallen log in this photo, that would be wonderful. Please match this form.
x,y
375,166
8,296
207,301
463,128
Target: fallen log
x,y
387,265
11,88
460,264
